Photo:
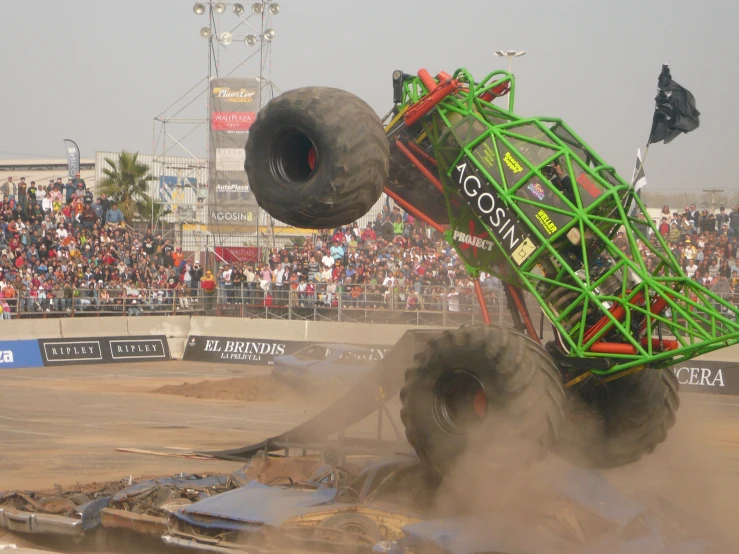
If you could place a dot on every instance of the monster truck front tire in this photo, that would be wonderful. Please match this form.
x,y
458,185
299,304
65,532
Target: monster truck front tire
x,y
616,423
479,388
317,158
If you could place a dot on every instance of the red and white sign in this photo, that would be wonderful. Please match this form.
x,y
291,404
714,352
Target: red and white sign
x,y
247,254
232,121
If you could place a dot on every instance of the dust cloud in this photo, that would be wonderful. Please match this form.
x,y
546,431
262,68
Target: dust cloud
x,y
258,388
690,481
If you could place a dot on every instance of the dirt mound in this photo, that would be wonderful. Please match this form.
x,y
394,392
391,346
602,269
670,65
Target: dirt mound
x,y
261,388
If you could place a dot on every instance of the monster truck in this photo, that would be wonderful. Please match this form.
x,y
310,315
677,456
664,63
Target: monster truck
x,y
527,200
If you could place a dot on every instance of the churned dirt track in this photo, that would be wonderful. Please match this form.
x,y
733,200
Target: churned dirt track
x,y
62,425
259,388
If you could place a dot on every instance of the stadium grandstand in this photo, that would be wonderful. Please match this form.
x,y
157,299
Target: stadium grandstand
x,y
67,251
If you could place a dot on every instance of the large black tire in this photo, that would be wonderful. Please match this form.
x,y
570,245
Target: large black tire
x,y
616,423
340,180
480,388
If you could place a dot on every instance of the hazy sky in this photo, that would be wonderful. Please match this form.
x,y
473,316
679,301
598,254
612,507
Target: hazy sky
x,y
98,71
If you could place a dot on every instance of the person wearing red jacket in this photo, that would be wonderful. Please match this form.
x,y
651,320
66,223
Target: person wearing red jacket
x,y
208,284
369,233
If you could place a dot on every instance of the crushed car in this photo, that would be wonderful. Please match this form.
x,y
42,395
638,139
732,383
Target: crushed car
x,y
334,509
115,514
70,513
318,366
583,514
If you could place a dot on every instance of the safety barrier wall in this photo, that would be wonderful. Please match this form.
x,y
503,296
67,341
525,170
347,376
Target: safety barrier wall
x,y
715,373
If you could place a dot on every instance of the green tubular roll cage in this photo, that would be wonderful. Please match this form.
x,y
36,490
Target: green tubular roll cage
x,y
530,202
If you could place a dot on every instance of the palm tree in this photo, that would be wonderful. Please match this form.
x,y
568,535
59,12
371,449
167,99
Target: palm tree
x,y
127,183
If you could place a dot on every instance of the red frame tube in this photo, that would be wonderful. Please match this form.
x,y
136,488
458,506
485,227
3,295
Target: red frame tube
x,y
427,80
622,348
429,102
418,150
481,301
523,310
422,168
413,211
617,310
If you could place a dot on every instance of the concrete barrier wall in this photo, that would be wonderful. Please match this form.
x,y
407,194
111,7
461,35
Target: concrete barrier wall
x,y
85,327
178,328
19,329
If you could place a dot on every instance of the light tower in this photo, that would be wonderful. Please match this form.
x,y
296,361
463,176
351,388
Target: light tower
x,y
510,54
237,84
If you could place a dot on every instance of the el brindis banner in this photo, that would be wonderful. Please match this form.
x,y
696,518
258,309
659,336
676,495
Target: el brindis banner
x,y
233,106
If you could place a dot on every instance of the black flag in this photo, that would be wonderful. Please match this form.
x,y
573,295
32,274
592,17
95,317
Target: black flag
x,y
675,112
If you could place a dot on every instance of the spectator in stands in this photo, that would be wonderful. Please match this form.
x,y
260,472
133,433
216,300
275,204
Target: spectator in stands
x,y
208,284
114,216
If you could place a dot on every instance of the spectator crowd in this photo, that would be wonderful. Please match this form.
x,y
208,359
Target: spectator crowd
x,y
395,262
62,249
705,242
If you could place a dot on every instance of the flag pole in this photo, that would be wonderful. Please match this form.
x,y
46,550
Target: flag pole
x,y
641,165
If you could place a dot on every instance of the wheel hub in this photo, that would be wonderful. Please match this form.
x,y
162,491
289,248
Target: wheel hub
x,y
460,402
293,157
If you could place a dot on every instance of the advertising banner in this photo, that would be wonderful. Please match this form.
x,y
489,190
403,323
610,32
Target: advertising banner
x,y
233,106
254,351
694,376
73,157
708,377
19,353
246,254
103,350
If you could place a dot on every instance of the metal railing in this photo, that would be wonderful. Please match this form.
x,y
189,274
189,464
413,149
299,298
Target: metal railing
x,y
410,305
108,302
407,305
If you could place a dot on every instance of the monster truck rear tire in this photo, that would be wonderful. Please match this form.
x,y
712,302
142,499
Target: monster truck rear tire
x,y
317,157
615,424
482,387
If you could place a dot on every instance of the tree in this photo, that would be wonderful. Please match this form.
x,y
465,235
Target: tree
x,y
126,182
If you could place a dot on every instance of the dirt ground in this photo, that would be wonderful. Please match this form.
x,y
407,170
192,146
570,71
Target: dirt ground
x,y
260,388
64,425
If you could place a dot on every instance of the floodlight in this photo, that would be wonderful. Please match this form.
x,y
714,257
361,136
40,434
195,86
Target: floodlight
x,y
219,7
238,9
269,34
257,8
199,9
274,9
225,38
205,32
250,40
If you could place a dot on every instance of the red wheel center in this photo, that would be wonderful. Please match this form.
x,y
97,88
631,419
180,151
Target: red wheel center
x,y
312,158
480,404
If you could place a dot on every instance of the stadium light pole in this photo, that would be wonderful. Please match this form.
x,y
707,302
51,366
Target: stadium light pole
x,y
510,54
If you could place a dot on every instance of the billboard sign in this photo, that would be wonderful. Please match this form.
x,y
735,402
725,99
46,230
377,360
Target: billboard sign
x,y
233,106
55,352
19,353
246,254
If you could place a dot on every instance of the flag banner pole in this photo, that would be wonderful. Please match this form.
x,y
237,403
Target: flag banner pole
x,y
641,166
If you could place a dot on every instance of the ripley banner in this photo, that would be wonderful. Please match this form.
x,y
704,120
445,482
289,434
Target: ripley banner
x,y
101,350
233,106
257,351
